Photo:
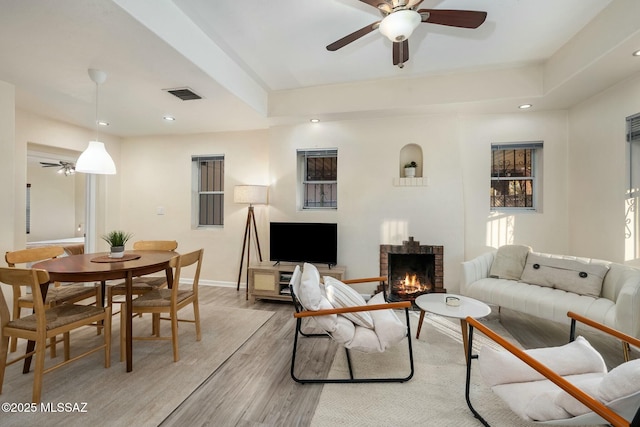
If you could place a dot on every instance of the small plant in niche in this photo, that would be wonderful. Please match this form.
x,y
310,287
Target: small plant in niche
x,y
410,169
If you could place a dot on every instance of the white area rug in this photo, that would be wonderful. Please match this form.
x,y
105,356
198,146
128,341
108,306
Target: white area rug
x,y
433,397
145,396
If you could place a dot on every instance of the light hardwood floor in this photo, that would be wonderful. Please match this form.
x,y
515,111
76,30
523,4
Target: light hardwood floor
x,y
254,387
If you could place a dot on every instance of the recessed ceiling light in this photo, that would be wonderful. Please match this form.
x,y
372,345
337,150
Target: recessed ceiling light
x,y
169,118
525,106
636,53
103,123
315,120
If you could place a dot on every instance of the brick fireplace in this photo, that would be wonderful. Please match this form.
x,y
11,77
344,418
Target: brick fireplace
x,y
411,269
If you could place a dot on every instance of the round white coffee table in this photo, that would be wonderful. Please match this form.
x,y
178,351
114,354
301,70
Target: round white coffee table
x,y
451,305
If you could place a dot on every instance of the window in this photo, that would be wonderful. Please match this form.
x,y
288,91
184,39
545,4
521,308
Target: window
x,y
633,155
318,172
208,184
513,175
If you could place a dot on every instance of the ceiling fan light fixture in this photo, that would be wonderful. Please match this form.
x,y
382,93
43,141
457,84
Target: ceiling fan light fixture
x,y
398,26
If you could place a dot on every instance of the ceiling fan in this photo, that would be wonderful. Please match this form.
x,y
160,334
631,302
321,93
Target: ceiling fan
x,y
400,18
66,168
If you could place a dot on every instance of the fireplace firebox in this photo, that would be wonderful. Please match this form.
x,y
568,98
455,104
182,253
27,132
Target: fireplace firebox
x,y
411,270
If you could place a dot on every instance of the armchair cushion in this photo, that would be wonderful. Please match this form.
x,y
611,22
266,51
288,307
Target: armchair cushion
x,y
621,381
310,294
341,295
577,357
389,328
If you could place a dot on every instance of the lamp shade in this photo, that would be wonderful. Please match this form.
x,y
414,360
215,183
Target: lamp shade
x,y
398,26
251,194
96,160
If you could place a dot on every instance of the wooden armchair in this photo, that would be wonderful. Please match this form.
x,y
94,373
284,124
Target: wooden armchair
x,y
56,295
46,323
566,385
344,316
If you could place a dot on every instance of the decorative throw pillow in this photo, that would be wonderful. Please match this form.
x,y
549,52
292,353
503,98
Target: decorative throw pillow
x,y
621,381
310,294
509,262
341,295
579,276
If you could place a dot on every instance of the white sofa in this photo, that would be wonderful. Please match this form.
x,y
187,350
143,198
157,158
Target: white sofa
x,y
562,283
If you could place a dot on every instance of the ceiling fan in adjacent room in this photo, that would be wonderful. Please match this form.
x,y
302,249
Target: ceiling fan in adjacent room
x,y
66,168
400,18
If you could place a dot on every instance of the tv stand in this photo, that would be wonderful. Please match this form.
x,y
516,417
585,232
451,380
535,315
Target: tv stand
x,y
271,282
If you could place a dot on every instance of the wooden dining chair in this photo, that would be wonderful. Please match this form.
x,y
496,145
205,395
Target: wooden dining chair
x,y
56,295
46,323
170,301
142,285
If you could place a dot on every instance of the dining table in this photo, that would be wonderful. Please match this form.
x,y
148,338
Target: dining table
x,y
100,267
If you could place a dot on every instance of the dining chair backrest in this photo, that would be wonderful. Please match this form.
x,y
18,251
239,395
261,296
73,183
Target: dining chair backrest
x,y
31,278
155,245
179,262
33,255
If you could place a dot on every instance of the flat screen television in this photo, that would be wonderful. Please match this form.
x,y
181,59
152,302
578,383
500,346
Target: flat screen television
x,y
315,243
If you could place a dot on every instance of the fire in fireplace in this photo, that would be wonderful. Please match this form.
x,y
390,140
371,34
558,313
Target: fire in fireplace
x,y
410,275
411,269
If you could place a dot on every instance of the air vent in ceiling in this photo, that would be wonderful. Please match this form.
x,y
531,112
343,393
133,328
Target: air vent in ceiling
x,y
184,93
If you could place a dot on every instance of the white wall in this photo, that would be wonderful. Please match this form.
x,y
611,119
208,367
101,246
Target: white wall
x,y
371,210
545,230
583,182
597,173
31,128
9,173
53,203
156,173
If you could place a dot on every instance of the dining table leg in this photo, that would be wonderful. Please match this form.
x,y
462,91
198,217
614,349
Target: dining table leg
x,y
129,324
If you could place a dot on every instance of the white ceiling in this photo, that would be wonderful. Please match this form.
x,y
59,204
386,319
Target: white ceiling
x,y
238,55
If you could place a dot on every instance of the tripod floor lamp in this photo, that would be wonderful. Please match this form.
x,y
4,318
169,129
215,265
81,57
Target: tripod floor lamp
x,y
251,195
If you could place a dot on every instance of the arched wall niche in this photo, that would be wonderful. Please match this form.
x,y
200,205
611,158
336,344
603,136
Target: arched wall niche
x,y
411,153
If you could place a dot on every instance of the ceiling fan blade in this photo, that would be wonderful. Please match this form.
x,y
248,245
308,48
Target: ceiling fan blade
x,y
400,53
352,37
383,5
453,18
50,165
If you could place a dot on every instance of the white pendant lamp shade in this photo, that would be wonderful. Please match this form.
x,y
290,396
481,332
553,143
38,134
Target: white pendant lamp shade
x,y
95,159
399,25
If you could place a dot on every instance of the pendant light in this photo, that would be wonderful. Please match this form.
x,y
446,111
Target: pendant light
x,y
95,158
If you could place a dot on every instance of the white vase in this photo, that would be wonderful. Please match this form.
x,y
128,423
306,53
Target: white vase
x,y
409,172
116,252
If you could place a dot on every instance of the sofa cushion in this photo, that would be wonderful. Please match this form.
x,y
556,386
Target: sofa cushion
x,y
509,262
582,277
